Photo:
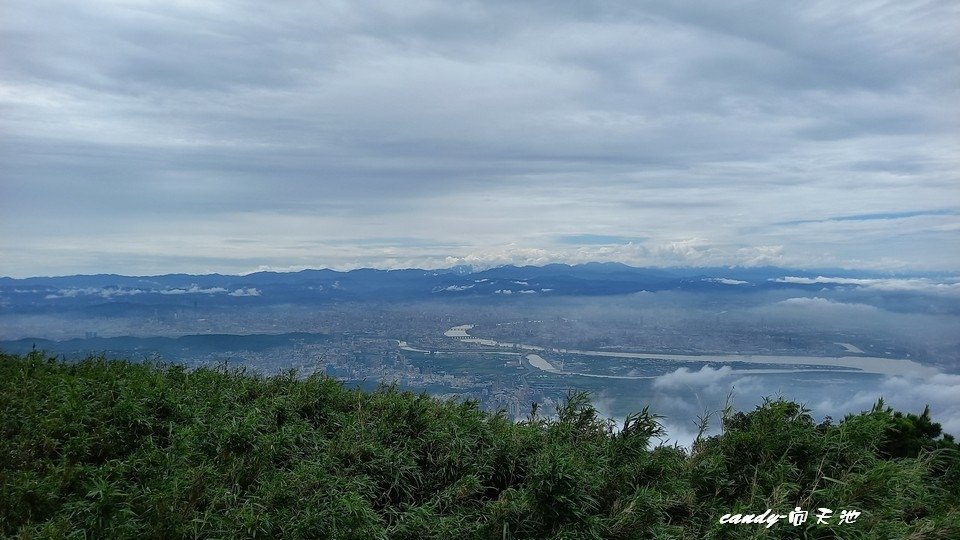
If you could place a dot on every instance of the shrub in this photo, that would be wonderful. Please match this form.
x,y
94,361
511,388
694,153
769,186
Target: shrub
x,y
113,449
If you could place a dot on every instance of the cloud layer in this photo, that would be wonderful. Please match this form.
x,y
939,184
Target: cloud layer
x,y
687,394
146,137
949,287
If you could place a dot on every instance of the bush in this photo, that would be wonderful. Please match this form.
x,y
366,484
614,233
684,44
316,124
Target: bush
x,y
113,449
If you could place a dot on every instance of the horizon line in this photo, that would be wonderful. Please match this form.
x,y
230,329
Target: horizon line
x,y
473,269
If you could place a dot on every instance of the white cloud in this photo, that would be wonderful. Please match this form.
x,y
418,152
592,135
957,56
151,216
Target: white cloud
x,y
688,252
686,394
193,289
817,302
683,377
949,287
727,281
454,288
941,392
110,292
93,291
249,291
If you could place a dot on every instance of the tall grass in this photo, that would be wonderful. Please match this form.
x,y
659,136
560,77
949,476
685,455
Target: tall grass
x,y
110,449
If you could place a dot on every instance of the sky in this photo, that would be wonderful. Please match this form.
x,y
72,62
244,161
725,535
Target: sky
x,y
141,137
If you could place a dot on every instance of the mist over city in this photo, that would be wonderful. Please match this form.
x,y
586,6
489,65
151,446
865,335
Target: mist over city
x,y
684,341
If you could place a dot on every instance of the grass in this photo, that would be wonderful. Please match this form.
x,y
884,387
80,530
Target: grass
x,y
110,449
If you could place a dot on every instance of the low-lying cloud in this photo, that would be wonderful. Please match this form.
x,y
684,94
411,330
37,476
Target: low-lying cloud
x,y
112,292
683,377
819,303
688,394
249,291
950,287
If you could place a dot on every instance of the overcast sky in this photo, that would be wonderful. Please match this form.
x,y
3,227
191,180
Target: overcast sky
x,y
151,137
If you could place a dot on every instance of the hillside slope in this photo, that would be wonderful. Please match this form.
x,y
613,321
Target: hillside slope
x,y
110,449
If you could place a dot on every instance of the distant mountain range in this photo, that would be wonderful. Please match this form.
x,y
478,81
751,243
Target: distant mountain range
x,y
111,292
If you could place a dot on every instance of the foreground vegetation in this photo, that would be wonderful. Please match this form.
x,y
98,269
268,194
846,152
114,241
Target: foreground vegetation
x,y
109,449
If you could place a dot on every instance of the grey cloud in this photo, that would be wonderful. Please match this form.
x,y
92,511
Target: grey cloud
x,y
839,129
823,52
658,120
876,216
598,239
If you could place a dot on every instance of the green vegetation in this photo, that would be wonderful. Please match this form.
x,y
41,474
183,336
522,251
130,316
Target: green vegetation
x,y
109,449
